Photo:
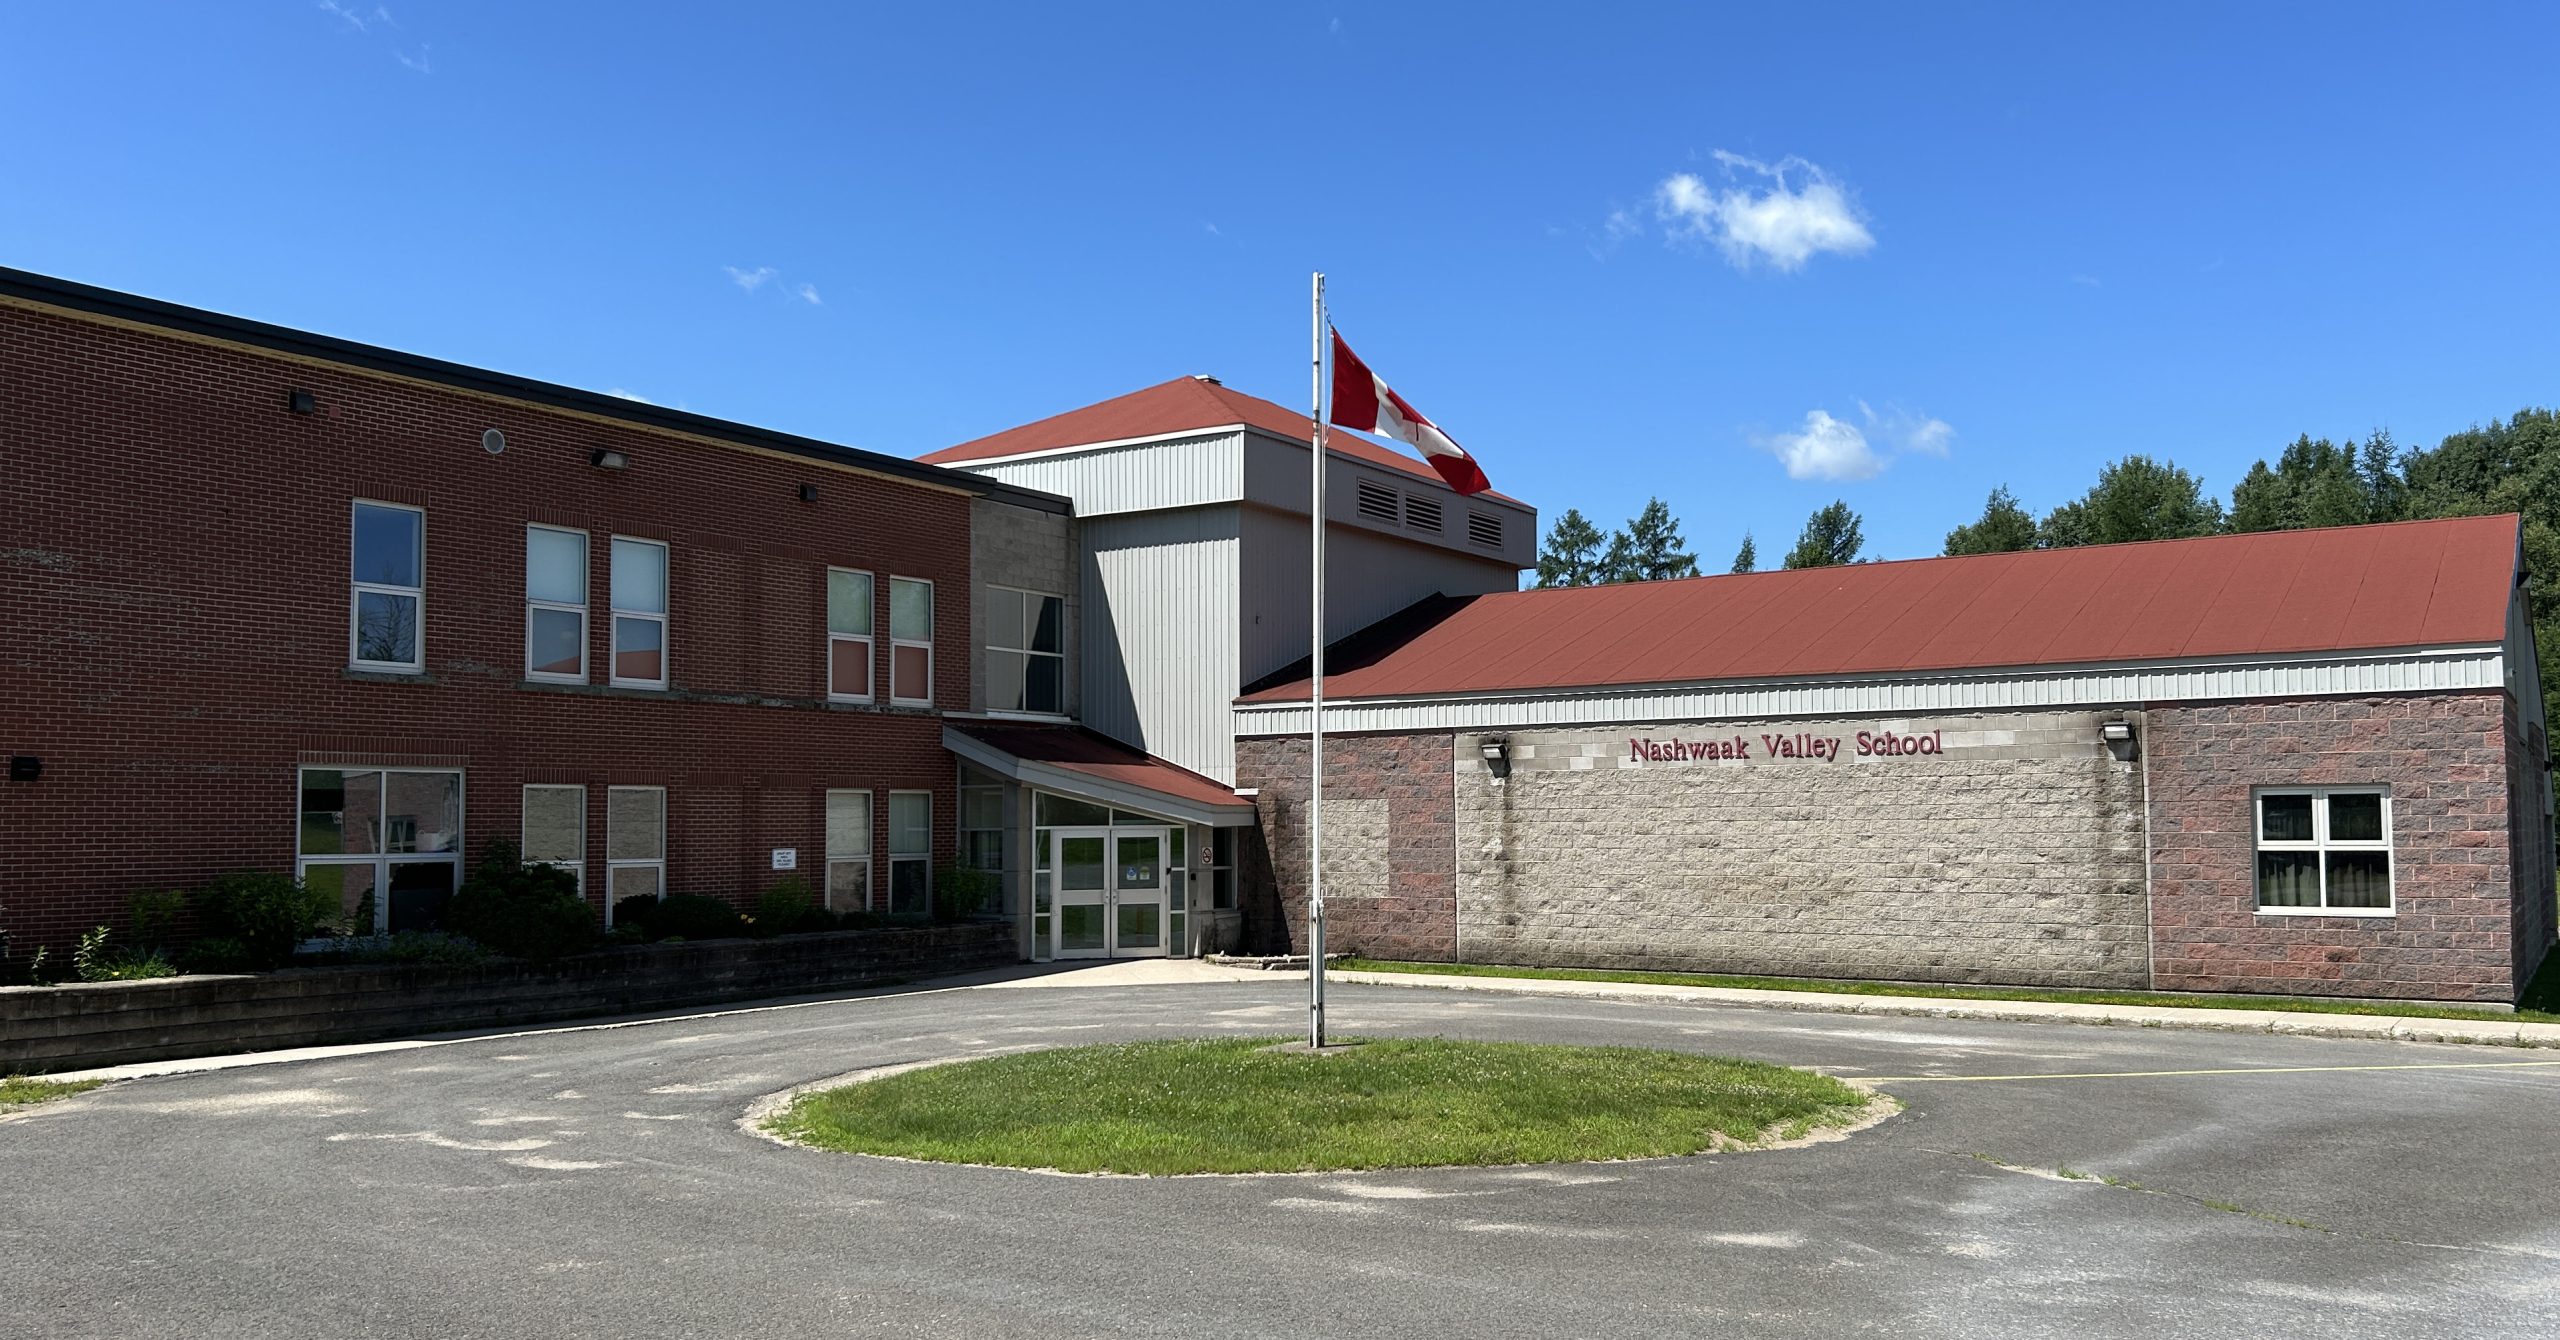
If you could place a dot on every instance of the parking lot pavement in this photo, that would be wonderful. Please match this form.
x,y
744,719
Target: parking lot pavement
x,y
2043,1179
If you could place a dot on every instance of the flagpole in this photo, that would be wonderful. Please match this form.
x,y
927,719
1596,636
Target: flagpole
x,y
1315,706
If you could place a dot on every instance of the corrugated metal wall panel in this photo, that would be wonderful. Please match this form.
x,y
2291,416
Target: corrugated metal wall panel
x,y
1160,668
1275,476
1369,576
1182,472
2442,672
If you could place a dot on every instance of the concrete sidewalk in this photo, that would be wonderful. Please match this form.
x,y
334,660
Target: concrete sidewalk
x,y
2493,1032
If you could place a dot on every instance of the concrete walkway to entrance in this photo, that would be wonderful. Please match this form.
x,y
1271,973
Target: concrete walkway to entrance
x,y
2495,1032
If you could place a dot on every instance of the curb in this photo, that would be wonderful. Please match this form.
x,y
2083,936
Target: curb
x,y
2467,1032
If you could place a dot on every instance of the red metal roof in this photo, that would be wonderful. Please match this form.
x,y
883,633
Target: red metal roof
x,y
1078,750
1183,405
2408,584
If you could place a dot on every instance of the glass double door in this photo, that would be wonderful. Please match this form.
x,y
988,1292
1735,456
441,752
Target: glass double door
x,y
1111,892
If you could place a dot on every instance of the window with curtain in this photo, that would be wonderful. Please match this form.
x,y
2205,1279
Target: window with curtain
x,y
387,593
849,851
555,828
2324,849
635,843
848,635
639,613
910,641
555,604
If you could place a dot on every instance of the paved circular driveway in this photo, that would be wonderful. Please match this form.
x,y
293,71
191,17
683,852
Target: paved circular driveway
x,y
594,1183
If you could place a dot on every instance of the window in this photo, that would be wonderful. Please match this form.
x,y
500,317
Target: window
x,y
910,641
555,604
1026,652
386,845
2326,850
1222,868
848,635
849,851
910,853
639,613
388,575
982,832
555,829
635,844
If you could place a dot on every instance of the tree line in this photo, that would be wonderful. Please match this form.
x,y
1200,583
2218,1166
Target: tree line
x,y
2510,465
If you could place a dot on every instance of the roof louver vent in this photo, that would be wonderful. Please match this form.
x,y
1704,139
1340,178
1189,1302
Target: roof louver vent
x,y
1377,502
1421,513
1484,528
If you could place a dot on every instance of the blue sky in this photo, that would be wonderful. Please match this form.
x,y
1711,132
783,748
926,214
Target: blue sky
x,y
1905,254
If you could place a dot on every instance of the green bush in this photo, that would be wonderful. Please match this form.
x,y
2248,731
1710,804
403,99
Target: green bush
x,y
406,947
267,914
637,916
216,953
521,911
689,916
97,961
154,915
961,892
788,908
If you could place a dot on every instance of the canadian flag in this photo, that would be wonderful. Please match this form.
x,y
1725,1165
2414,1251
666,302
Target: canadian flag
x,y
1363,400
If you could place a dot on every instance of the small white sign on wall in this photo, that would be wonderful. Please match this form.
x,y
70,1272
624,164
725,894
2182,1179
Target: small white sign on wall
x,y
786,858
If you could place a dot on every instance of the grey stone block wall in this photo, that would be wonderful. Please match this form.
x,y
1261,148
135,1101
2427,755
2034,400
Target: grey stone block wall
x,y
2015,854
1029,551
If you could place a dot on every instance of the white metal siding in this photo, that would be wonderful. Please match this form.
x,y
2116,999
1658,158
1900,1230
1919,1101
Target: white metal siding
x,y
2419,672
1179,472
1159,634
1275,476
1368,576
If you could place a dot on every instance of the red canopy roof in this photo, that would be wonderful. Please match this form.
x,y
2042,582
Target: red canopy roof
x,y
1183,405
2409,584
1086,753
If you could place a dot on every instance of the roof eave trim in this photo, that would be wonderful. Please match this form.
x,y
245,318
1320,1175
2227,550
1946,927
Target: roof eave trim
x,y
1047,777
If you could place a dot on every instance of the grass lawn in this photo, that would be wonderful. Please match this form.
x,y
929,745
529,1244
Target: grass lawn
x,y
17,1091
2541,1002
1233,1106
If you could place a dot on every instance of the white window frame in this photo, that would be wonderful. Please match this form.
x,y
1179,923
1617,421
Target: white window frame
x,y
611,864
524,832
870,835
1022,635
357,590
586,549
2320,842
382,861
889,893
933,617
666,639
870,648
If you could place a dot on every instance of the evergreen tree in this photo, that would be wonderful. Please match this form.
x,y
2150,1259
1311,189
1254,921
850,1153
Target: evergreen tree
x,y
2136,498
2004,526
2320,483
2512,466
1649,549
1747,559
1831,536
1572,553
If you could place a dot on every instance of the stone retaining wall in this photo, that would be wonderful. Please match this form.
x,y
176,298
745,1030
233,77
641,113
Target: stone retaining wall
x,y
110,1023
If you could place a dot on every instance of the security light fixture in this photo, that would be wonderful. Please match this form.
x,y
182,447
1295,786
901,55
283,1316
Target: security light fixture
x,y
1497,755
302,402
2118,737
606,458
808,493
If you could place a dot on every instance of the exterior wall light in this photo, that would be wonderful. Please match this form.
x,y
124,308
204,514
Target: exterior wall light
x,y
606,458
808,493
302,402
1497,755
2119,739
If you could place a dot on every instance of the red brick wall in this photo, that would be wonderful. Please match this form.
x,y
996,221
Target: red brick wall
x,y
174,606
1417,917
2446,758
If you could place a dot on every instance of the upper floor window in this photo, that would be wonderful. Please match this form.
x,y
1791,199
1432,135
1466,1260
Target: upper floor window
x,y
639,613
910,640
555,604
1026,651
387,602
2325,849
849,635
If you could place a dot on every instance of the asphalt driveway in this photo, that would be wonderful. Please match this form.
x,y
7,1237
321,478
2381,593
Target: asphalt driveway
x,y
594,1183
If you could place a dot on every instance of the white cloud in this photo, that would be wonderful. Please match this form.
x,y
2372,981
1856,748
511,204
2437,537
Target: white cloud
x,y
383,12
1800,212
750,280
1335,28
807,293
354,20
417,63
1826,449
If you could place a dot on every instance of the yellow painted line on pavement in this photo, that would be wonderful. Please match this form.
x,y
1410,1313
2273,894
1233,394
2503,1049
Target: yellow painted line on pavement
x,y
2238,1070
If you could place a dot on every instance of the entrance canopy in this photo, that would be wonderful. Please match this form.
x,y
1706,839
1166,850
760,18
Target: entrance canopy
x,y
1073,761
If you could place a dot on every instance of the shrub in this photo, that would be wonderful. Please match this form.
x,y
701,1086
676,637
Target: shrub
x,y
688,916
522,911
96,961
788,908
961,891
637,916
403,947
216,953
154,915
266,914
